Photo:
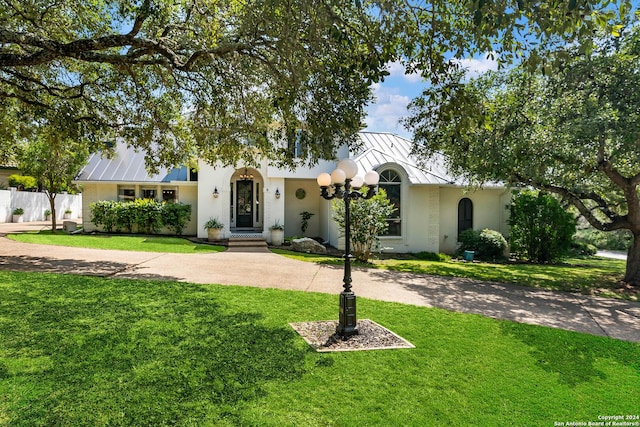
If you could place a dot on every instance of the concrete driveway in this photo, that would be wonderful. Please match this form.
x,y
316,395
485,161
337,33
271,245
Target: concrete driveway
x,y
599,316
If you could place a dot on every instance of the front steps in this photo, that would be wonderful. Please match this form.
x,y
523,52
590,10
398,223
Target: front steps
x,y
246,241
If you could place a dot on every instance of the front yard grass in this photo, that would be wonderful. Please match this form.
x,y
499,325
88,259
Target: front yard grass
x,y
586,275
116,242
93,351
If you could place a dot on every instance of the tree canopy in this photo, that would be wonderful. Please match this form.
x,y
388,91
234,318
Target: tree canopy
x,y
203,77
575,132
229,80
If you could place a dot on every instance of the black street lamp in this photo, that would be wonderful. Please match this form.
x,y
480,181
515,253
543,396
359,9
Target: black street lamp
x,y
343,183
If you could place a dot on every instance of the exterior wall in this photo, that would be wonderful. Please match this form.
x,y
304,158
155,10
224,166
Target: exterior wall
x,y
272,209
311,202
5,173
489,211
420,221
34,205
94,192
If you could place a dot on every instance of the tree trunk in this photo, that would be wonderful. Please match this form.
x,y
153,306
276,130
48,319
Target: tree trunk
x,y
52,204
632,274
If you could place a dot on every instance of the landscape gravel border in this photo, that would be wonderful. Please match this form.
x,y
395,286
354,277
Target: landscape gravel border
x,y
322,337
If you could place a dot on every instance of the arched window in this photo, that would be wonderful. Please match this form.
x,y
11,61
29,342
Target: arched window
x,y
391,183
465,215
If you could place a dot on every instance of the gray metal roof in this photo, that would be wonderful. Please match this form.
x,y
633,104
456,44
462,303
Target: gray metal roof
x,y
380,149
127,165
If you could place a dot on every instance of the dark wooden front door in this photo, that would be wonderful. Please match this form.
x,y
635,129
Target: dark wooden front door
x,y
244,203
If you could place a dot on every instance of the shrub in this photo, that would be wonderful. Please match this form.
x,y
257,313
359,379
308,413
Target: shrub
x,y
541,230
581,248
468,240
175,216
368,221
487,244
148,216
617,240
23,182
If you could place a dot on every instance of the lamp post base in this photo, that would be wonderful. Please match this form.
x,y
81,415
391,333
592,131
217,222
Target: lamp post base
x,y
347,320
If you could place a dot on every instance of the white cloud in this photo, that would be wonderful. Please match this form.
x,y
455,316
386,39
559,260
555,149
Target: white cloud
x,y
384,115
396,69
476,67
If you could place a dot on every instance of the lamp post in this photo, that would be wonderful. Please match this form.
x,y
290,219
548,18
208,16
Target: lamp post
x,y
343,183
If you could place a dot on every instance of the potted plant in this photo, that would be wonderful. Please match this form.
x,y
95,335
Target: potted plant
x,y
214,229
17,214
67,214
277,234
47,214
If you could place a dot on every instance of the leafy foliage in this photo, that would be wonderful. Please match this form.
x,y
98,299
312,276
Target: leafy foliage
x,y
175,216
541,230
147,216
54,161
619,240
23,182
573,132
487,244
305,217
229,80
368,221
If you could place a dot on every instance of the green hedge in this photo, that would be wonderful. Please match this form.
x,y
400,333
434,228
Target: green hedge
x,y
23,182
144,215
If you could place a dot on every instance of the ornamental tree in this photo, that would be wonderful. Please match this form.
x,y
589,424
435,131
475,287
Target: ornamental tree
x,y
54,162
368,221
575,132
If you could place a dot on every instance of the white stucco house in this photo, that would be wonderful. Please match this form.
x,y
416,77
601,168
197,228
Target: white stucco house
x,y
432,207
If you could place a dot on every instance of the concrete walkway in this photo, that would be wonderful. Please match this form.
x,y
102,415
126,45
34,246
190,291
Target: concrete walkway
x,y
599,316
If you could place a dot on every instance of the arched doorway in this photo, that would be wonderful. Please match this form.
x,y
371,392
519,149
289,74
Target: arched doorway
x,y
246,208
465,215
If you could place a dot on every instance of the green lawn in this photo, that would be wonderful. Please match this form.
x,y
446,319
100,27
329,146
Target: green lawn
x,y
592,276
78,351
124,243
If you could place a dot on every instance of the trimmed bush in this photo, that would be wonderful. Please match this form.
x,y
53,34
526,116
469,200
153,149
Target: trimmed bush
x,y
487,244
145,215
23,182
175,216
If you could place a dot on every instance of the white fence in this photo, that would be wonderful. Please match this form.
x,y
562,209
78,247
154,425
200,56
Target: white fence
x,y
34,205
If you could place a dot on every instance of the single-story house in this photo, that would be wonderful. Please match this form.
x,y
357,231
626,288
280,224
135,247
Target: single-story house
x,y
432,207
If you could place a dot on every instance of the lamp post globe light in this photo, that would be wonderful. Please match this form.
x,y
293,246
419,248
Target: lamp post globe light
x,y
343,183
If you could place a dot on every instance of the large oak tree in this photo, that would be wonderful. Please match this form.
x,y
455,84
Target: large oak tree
x,y
225,79
574,132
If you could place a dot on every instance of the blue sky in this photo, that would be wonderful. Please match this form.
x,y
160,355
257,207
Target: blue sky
x,y
394,94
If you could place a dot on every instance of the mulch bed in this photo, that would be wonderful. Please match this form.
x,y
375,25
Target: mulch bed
x,y
323,338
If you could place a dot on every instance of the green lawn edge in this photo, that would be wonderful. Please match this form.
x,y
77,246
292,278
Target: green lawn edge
x,y
585,275
136,243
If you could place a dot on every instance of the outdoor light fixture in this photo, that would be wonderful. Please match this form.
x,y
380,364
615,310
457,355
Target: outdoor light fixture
x,y
215,192
246,176
343,183
277,193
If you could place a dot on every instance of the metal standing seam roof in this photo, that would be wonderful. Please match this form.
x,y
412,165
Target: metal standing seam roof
x,y
379,149
126,165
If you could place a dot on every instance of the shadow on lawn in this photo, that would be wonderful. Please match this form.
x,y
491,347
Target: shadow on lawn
x,y
31,264
574,359
87,352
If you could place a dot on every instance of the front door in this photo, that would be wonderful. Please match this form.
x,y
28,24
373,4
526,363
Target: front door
x,y
244,203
